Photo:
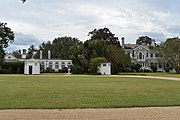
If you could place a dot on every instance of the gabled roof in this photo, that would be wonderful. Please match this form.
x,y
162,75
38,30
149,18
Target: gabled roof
x,y
134,46
142,46
130,46
10,57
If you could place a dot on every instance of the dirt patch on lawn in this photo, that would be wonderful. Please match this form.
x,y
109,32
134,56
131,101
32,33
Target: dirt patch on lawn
x,y
158,113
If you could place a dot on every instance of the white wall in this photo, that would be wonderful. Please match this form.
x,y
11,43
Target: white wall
x,y
35,65
105,69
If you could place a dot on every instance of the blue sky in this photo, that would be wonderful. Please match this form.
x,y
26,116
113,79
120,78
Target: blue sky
x,y
39,21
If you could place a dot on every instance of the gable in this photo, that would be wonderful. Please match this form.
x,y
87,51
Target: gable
x,y
10,57
141,48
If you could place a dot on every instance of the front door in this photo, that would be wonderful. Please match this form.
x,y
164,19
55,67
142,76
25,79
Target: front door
x,y
30,70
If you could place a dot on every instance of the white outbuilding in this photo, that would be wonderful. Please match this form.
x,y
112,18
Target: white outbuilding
x,y
31,67
105,68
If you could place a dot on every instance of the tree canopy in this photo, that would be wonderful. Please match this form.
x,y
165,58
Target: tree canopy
x,y
6,37
59,47
170,51
144,40
104,34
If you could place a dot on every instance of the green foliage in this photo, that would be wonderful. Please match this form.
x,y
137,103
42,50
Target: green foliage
x,y
49,70
171,52
14,67
104,34
136,67
59,47
77,70
103,43
95,48
32,52
144,40
117,57
44,47
6,37
5,72
76,54
154,67
94,63
64,70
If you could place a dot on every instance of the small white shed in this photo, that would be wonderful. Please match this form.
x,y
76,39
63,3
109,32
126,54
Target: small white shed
x,y
31,67
105,68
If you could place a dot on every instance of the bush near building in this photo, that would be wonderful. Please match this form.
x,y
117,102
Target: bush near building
x,y
12,68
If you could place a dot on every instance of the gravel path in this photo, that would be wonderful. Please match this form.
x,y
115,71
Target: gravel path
x,y
164,113
153,77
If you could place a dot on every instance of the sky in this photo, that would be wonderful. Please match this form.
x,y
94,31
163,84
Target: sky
x,y
39,21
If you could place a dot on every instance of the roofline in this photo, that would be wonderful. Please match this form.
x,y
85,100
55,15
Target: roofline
x,y
142,46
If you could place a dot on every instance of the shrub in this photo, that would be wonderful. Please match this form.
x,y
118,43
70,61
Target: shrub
x,y
14,67
49,70
77,70
136,67
64,70
5,72
154,67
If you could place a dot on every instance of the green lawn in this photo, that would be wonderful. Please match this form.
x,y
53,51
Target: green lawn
x,y
58,91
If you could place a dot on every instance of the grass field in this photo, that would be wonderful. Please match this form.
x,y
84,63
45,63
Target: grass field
x,y
58,91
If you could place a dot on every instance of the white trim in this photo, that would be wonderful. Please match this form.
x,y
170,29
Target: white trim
x,y
141,46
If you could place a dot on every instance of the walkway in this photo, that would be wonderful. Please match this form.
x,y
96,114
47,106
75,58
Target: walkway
x,y
164,113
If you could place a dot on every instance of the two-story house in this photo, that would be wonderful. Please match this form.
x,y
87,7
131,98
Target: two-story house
x,y
144,55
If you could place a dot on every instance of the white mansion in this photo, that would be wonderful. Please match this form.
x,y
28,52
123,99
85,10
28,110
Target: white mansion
x,y
144,55
54,64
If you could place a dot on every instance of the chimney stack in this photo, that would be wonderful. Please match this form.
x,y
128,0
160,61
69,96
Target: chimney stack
x,y
123,41
24,51
40,54
153,44
49,54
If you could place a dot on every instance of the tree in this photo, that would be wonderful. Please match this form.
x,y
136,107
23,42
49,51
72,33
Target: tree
x,y
32,51
104,34
144,40
6,37
117,57
61,45
76,54
171,52
44,47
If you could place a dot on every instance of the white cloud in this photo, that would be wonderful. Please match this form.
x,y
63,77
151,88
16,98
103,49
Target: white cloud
x,y
131,18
